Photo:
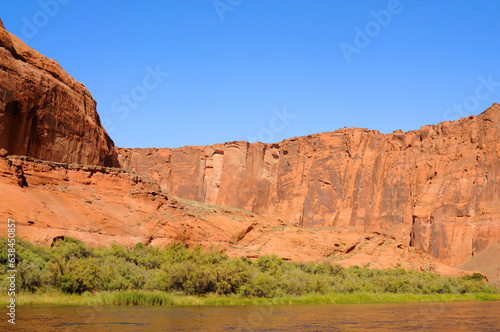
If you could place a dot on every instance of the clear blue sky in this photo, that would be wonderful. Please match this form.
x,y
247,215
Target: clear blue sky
x,y
228,77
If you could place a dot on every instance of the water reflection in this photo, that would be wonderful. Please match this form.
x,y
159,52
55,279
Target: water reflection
x,y
470,316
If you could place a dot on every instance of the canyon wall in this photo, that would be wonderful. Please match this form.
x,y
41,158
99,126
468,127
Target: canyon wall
x,y
436,189
102,206
44,112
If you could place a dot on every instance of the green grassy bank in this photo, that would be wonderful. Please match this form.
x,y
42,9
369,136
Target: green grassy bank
x,y
155,298
71,273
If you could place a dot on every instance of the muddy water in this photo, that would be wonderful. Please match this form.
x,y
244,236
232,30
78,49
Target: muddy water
x,y
451,317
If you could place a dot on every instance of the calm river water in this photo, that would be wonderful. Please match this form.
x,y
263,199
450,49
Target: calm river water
x,y
450,317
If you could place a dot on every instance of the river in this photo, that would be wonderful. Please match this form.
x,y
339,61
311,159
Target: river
x,y
450,317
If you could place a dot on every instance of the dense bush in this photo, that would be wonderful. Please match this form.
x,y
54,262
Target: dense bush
x,y
72,267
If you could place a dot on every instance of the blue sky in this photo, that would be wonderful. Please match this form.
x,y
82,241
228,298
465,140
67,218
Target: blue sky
x,y
268,70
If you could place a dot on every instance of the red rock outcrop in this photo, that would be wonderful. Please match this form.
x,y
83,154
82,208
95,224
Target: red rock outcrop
x,y
44,112
488,262
101,206
436,189
331,196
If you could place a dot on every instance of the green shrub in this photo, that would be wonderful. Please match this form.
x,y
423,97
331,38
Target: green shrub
x,y
79,275
74,268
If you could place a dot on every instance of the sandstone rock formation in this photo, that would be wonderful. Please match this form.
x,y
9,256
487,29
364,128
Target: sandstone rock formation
x,y
101,206
436,189
44,112
488,262
98,206
331,196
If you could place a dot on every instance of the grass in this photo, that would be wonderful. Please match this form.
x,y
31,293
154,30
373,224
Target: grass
x,y
175,275
157,298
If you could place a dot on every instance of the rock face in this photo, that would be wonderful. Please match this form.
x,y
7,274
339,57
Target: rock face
x,y
44,112
101,206
436,189
487,262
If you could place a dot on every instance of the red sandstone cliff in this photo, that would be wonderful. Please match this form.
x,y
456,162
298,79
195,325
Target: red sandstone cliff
x,y
44,112
436,189
101,206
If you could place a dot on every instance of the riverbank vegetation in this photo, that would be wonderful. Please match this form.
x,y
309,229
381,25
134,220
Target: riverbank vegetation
x,y
153,298
72,273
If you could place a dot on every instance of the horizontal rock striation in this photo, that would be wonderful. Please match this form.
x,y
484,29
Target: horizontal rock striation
x,y
436,189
